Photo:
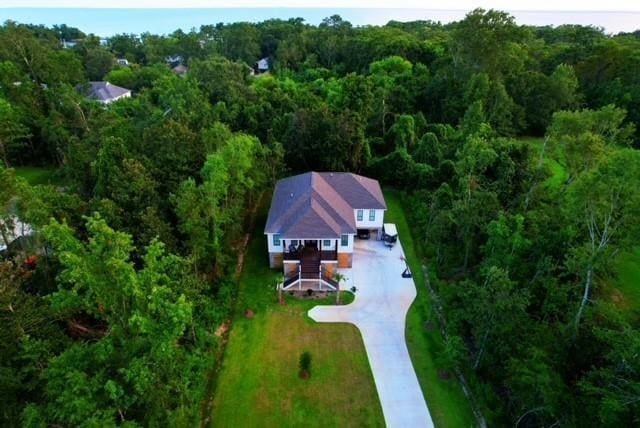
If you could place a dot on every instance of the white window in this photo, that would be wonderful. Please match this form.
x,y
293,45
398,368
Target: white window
x,y
344,240
360,215
326,243
276,240
372,215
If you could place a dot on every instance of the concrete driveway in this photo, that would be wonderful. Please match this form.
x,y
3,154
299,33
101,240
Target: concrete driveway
x,y
382,300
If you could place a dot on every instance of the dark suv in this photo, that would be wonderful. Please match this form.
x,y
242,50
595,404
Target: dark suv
x,y
363,233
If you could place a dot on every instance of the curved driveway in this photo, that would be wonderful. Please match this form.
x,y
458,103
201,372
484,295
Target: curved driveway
x,y
382,300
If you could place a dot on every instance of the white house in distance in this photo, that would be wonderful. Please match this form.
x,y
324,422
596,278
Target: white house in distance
x,y
11,229
261,66
313,221
106,93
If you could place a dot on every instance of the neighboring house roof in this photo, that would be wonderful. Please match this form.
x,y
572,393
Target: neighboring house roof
x,y
320,204
105,91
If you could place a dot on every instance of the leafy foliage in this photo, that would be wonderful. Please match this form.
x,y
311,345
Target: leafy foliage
x,y
111,304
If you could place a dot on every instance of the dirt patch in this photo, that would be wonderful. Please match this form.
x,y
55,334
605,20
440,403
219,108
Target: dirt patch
x,y
617,297
222,330
306,295
249,314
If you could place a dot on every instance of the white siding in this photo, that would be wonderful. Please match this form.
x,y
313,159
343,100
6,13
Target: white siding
x,y
365,223
348,248
273,248
278,249
333,246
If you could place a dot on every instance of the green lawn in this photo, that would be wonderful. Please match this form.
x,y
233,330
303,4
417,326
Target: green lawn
x,y
38,175
258,384
447,403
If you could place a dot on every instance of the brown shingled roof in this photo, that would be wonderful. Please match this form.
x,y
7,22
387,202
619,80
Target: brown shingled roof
x,y
320,205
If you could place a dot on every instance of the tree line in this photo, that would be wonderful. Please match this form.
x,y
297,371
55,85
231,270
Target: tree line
x,y
114,322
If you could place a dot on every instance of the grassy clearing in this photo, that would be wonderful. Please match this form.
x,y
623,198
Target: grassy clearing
x,y
624,289
447,403
259,385
38,175
552,161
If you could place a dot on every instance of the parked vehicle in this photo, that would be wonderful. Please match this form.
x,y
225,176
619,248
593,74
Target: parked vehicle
x,y
389,234
364,234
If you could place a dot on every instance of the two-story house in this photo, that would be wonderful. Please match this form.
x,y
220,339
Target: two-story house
x,y
313,221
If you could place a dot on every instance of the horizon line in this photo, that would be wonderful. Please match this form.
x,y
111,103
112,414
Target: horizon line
x,y
320,8
325,8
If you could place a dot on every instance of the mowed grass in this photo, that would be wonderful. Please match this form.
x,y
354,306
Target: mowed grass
x,y
38,175
446,401
259,385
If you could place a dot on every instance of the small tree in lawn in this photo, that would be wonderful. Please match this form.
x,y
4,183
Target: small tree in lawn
x,y
305,365
338,277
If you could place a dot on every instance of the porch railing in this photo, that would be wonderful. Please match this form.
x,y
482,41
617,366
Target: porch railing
x,y
325,255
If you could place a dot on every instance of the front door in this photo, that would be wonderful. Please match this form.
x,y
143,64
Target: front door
x,y
311,243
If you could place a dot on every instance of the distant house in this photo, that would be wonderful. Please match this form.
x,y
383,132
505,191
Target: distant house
x,y
105,92
180,70
68,44
173,60
261,66
122,61
313,221
13,232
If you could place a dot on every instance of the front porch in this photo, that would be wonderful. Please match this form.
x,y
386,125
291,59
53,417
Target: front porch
x,y
310,250
310,264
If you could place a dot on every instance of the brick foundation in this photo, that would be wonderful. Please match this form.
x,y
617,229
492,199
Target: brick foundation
x,y
329,269
345,260
275,260
290,269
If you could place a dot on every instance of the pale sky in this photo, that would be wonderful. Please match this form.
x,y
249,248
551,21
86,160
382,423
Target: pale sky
x,y
533,5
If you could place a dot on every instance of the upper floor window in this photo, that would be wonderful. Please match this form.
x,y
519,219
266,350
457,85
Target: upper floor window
x,y
276,240
344,240
372,215
360,215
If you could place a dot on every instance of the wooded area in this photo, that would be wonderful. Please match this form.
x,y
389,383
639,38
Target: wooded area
x,y
515,149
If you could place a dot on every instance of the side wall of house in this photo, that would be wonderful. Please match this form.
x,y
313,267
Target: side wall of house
x,y
345,253
365,223
273,248
275,260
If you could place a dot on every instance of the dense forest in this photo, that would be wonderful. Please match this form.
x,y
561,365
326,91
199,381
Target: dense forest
x,y
516,149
